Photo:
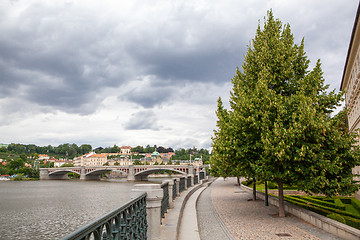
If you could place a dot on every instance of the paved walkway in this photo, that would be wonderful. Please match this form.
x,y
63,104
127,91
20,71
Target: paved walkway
x,y
224,212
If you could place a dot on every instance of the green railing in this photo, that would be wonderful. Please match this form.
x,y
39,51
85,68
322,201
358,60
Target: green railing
x,y
182,184
165,199
196,179
126,222
174,190
188,181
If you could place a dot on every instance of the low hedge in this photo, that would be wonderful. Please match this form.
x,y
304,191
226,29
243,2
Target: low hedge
x,y
336,217
355,203
326,209
322,202
339,203
353,222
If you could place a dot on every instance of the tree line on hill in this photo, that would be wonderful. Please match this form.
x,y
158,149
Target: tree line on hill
x,y
69,151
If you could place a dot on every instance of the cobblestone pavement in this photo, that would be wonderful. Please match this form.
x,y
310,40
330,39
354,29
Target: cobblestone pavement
x,y
224,212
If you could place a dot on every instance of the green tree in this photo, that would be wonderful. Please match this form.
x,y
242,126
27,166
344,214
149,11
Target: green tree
x,y
137,162
279,127
67,165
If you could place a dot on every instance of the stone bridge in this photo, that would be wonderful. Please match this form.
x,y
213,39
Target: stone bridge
x,y
133,172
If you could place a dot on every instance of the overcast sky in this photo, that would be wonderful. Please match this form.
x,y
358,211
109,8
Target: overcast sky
x,y
141,72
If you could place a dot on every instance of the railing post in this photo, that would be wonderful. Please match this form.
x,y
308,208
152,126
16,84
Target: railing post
x,y
153,207
177,186
185,187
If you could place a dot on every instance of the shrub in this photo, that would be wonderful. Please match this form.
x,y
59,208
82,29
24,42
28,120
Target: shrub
x,y
324,203
19,177
353,222
272,185
355,203
336,217
339,203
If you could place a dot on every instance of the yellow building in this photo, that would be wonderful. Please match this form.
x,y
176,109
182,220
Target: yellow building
x,y
351,82
351,77
95,160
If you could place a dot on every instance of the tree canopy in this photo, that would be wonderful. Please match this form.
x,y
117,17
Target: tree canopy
x,y
279,126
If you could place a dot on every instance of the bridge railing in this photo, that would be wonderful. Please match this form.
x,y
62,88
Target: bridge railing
x,y
165,199
174,190
182,184
126,222
131,221
202,175
196,179
188,181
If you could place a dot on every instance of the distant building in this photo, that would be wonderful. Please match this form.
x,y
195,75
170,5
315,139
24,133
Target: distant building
x,y
95,160
351,83
44,157
125,149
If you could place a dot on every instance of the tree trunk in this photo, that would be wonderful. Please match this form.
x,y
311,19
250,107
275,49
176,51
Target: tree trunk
x,y
254,189
266,194
281,199
238,181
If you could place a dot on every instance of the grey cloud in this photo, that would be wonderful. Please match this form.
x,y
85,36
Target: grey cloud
x,y
149,94
64,55
142,120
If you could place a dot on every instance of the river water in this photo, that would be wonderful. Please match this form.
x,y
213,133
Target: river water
x,y
54,208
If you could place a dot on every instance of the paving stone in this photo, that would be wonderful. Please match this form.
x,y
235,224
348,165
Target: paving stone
x,y
225,212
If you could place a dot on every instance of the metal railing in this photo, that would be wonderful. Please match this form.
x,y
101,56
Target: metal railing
x,y
126,222
188,181
165,199
196,179
202,175
174,190
182,184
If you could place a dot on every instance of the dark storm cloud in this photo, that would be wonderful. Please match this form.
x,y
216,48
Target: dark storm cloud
x,y
65,55
142,120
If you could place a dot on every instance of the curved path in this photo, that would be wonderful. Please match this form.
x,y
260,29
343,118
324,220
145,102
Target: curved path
x,y
224,212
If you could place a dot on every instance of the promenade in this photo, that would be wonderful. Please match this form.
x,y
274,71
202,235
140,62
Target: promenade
x,y
225,212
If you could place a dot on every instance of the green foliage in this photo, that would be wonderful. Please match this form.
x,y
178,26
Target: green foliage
x,y
184,154
279,127
336,217
19,177
325,208
339,203
137,162
67,165
355,203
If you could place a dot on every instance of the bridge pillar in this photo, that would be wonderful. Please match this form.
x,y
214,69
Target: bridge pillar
x,y
177,186
191,170
44,174
82,173
131,174
153,207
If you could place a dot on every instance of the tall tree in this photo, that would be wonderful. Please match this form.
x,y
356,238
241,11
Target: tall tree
x,y
280,124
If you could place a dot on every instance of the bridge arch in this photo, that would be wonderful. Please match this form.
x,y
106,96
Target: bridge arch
x,y
143,174
63,172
